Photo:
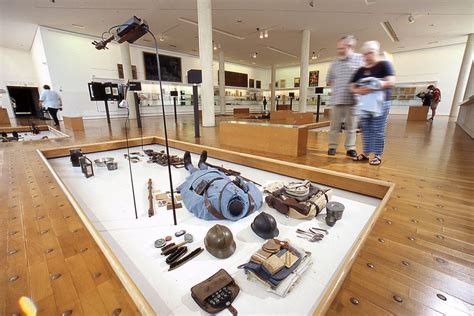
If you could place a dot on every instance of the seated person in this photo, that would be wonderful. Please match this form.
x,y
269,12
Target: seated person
x,y
211,195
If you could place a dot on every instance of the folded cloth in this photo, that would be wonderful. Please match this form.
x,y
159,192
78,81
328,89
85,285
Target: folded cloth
x,y
289,283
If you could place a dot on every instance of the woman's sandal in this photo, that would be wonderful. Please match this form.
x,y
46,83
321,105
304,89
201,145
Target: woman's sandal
x,y
376,161
360,157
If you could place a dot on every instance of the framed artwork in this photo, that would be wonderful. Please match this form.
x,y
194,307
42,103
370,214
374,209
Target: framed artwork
x,y
313,78
296,83
134,72
251,83
120,71
170,67
276,84
283,83
258,84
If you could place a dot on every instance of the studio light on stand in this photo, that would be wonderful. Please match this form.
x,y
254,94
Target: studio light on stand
x,y
130,31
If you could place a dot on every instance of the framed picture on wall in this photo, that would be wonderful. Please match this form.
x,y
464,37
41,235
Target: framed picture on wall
x,y
313,78
258,84
251,83
120,71
134,72
282,83
296,82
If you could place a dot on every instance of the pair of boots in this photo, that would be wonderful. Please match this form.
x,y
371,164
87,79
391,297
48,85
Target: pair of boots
x,y
188,163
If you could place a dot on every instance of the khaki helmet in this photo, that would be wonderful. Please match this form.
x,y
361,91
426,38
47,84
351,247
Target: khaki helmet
x,y
220,242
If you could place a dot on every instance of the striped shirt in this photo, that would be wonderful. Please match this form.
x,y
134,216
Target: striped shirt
x,y
340,75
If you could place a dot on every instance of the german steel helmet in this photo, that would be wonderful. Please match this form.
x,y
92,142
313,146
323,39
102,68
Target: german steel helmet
x,y
265,226
220,242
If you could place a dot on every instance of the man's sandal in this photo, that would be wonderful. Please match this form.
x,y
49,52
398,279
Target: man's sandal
x,y
360,157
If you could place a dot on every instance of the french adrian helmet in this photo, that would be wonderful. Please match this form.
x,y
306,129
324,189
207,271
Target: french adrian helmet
x,y
265,226
220,242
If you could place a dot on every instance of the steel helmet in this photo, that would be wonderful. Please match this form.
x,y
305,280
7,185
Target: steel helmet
x,y
265,226
219,241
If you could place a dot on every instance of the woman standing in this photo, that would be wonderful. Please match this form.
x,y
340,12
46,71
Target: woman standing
x,y
373,126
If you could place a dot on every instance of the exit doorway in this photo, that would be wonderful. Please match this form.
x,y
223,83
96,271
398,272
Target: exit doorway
x,y
24,101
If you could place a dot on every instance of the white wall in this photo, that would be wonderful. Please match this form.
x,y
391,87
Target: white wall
x,y
16,69
440,64
73,62
39,60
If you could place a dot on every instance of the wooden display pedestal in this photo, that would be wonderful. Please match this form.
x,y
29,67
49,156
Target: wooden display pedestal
x,y
290,117
274,139
283,107
4,119
74,123
242,112
418,113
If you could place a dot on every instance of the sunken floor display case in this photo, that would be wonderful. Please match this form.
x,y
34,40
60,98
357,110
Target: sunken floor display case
x,y
29,133
105,204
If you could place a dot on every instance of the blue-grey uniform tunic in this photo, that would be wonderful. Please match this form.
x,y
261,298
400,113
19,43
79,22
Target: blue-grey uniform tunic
x,y
195,203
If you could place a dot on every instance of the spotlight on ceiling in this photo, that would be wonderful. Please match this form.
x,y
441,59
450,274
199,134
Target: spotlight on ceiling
x,y
314,56
261,34
266,34
161,38
215,46
411,19
311,3
254,55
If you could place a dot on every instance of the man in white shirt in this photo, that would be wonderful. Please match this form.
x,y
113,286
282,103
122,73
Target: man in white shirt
x,y
51,101
342,101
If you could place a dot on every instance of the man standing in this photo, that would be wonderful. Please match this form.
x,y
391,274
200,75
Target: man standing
x,y
342,101
436,98
51,101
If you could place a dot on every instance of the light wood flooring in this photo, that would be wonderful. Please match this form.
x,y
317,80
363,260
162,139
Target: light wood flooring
x,y
418,260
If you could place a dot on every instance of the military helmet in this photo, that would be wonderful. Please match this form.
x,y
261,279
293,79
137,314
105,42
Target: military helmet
x,y
265,226
219,241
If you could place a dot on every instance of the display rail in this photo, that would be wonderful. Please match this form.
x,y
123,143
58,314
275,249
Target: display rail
x,y
361,185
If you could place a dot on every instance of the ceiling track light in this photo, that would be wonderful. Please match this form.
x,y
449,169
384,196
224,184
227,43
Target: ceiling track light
x,y
161,38
214,46
311,3
213,29
314,56
254,55
261,34
266,33
411,19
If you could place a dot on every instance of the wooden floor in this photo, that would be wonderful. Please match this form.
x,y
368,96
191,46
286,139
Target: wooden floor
x,y
418,260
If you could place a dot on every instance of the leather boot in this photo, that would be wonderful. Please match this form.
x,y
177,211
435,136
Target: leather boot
x,y
202,160
187,160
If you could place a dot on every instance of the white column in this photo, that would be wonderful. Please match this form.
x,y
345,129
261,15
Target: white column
x,y
204,11
463,75
127,75
304,69
470,83
272,89
222,82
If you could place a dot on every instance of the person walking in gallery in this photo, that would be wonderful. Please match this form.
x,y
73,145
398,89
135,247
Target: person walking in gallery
x,y
368,82
342,101
51,101
436,98
264,103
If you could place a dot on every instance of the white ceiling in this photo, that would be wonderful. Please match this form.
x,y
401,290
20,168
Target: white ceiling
x,y
437,23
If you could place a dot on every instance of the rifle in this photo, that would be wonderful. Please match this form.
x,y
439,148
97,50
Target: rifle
x,y
230,172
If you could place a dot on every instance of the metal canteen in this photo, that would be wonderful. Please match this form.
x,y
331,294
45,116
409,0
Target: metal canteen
x,y
334,209
102,162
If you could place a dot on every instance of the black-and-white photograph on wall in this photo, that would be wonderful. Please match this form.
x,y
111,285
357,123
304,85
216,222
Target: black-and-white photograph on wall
x,y
258,84
251,83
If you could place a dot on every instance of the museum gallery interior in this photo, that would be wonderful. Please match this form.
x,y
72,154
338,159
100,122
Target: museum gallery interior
x,y
271,157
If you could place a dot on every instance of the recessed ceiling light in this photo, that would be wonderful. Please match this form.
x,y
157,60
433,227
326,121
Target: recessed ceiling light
x,y
434,42
171,45
239,21
147,40
432,24
78,26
